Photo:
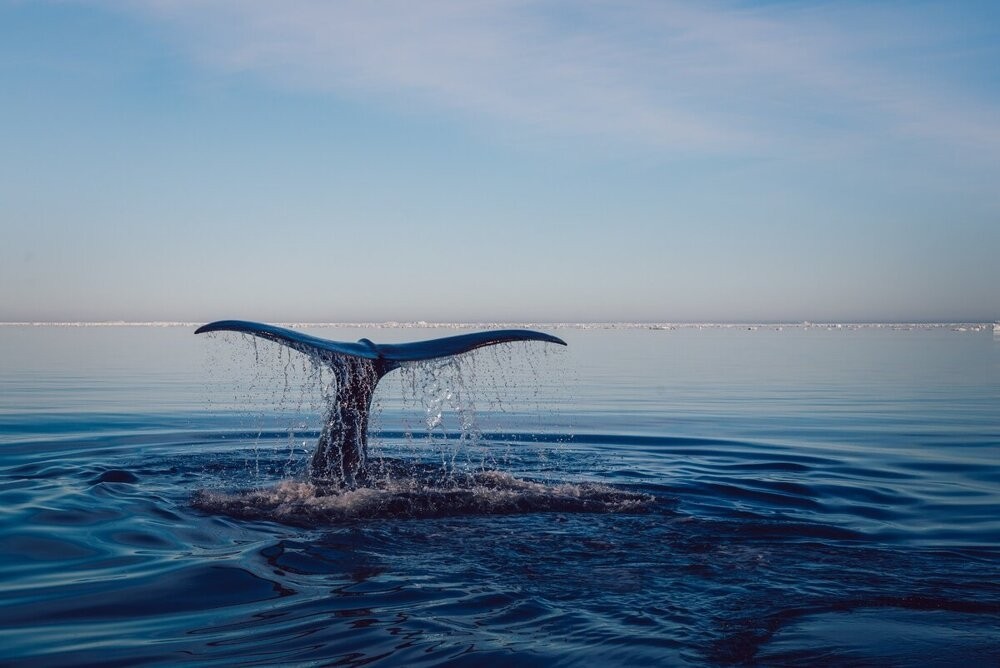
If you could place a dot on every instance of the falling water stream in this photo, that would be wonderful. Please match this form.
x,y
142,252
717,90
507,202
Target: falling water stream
x,y
456,472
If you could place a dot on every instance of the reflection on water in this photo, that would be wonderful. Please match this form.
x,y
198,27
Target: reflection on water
x,y
775,497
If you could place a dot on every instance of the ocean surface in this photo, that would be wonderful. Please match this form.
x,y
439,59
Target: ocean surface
x,y
679,496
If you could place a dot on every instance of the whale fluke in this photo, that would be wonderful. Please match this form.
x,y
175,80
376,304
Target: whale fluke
x,y
341,453
388,352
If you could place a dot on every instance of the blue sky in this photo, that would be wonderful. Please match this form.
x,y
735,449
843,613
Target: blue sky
x,y
530,161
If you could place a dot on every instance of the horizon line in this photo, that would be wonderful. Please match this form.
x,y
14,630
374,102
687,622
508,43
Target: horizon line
x,y
581,324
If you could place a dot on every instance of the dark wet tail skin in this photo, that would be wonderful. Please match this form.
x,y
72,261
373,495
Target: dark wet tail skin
x,y
341,454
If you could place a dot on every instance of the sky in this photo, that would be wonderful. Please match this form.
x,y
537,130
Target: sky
x,y
488,160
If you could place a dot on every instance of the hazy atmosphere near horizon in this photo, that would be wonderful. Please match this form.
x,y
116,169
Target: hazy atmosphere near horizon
x,y
550,161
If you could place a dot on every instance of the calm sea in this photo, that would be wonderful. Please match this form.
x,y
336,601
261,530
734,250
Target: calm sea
x,y
689,496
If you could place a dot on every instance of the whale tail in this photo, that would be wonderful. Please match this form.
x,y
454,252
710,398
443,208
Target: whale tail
x,y
341,453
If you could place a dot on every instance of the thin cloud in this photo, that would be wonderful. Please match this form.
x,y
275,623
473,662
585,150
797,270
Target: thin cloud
x,y
680,76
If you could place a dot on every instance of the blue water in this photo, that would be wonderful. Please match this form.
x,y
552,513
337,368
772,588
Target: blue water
x,y
714,496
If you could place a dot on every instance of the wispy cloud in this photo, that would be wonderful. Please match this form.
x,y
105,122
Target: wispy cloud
x,y
681,76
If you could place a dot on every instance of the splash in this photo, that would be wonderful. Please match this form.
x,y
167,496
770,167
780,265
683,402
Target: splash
x,y
419,494
445,395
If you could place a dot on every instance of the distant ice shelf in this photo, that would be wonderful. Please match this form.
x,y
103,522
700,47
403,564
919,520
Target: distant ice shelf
x,y
657,326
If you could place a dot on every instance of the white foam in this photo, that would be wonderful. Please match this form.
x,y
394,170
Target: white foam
x,y
418,495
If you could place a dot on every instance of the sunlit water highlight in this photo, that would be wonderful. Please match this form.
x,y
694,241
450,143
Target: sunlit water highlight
x,y
802,496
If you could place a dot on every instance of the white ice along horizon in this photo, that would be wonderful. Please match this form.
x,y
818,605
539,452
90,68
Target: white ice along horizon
x,y
974,326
